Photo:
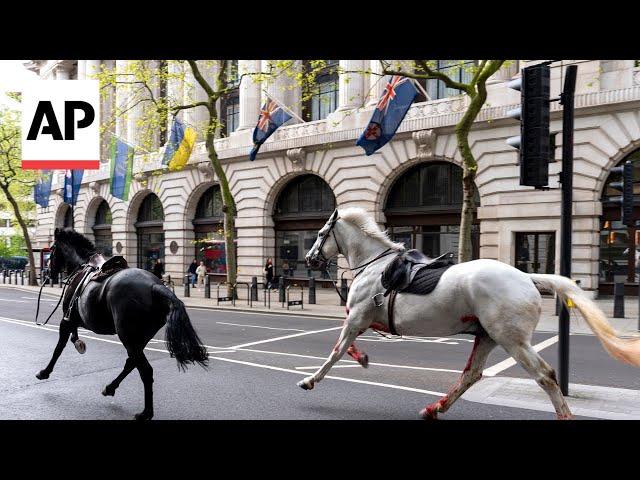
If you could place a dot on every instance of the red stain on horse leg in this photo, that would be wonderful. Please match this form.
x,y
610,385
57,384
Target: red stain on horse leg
x,y
353,351
434,408
469,318
379,326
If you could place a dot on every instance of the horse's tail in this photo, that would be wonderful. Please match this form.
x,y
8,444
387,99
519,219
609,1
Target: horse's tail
x,y
624,349
180,337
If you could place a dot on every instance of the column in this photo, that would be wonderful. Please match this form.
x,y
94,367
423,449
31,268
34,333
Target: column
x,y
62,73
92,68
284,87
376,82
82,69
121,100
249,95
198,117
351,85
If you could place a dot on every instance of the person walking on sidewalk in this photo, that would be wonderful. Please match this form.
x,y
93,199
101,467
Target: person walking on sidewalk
x,y
158,269
268,268
201,271
192,271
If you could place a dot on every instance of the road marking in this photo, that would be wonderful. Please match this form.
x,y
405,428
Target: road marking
x,y
443,340
258,326
275,313
335,366
13,301
510,362
311,332
41,299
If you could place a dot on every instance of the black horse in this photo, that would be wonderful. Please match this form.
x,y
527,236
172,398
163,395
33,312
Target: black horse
x,y
131,303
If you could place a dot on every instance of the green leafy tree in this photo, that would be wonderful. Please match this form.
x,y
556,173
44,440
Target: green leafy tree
x,y
16,184
476,91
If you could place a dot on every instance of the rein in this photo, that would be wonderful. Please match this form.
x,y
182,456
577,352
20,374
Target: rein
x,y
67,282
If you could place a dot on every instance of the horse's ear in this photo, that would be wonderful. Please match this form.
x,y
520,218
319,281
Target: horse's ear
x,y
56,232
334,216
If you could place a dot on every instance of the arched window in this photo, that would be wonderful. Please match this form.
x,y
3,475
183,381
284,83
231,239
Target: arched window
x,y
102,230
423,209
208,226
618,243
149,228
68,218
302,208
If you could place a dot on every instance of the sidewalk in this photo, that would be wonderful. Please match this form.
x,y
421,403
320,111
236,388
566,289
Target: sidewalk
x,y
587,400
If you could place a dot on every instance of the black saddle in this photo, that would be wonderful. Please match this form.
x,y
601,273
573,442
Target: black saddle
x,y
111,266
412,271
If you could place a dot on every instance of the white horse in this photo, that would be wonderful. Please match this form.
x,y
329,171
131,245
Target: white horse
x,y
496,302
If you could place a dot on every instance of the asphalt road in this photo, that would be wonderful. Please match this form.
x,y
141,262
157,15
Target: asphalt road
x,y
256,361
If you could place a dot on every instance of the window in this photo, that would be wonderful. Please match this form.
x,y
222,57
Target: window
x,y
320,96
151,210
68,218
102,230
150,232
230,104
308,194
209,231
457,70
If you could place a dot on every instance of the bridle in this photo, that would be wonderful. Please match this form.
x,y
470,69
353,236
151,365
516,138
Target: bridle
x,y
325,263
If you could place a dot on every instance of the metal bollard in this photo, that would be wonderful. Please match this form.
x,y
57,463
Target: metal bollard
x,y
281,290
22,277
618,300
187,285
254,289
10,272
60,280
312,290
207,287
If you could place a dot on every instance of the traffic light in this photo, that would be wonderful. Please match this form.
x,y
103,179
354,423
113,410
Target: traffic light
x,y
626,187
533,113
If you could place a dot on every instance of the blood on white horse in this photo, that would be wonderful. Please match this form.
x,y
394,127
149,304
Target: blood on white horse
x,y
496,302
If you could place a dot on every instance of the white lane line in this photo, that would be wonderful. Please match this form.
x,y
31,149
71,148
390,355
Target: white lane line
x,y
258,326
42,299
510,362
276,313
310,332
335,366
12,301
269,367
390,365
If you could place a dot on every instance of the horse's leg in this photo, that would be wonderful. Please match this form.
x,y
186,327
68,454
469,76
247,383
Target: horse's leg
x,y
472,372
146,374
81,347
110,389
360,357
347,336
542,373
65,332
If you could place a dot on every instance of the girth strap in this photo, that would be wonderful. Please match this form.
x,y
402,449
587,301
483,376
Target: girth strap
x,y
392,301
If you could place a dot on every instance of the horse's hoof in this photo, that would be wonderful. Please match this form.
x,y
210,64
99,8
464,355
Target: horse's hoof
x,y
80,346
108,391
42,375
306,385
143,416
363,359
429,413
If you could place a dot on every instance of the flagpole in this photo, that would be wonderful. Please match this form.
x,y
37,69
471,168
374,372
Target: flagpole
x,y
421,88
72,188
283,106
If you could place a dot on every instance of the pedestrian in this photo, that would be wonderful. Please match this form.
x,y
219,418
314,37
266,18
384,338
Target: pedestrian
x,y
201,271
285,267
192,270
158,269
269,269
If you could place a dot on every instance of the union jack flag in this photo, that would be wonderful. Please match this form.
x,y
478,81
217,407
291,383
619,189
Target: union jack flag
x,y
390,92
271,117
72,181
394,104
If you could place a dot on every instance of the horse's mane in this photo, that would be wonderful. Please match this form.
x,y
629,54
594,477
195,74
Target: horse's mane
x,y
360,218
81,244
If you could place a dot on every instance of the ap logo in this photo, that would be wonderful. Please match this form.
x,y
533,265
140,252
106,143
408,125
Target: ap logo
x,y
61,125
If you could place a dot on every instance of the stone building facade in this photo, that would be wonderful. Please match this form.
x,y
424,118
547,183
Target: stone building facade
x,y
411,185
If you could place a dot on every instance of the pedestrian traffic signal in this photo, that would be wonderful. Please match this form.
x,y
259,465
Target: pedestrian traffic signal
x,y
626,187
533,114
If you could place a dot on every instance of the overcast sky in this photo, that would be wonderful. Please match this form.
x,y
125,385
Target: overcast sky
x,y
12,76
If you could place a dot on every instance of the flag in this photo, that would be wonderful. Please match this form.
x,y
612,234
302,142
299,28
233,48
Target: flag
x,y
181,141
271,117
391,109
72,181
42,188
121,168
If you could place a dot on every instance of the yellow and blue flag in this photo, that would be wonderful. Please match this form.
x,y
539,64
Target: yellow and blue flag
x,y
121,168
393,106
181,142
